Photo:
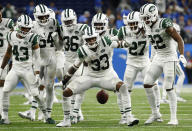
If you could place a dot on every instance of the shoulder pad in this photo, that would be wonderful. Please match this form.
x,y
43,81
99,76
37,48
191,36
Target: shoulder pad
x,y
9,36
106,41
166,22
10,24
81,52
33,38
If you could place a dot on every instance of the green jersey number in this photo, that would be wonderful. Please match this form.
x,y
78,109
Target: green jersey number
x,y
158,41
70,44
97,63
49,40
24,50
1,40
133,49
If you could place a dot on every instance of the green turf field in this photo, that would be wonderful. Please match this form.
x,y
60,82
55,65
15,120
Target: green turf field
x,y
103,117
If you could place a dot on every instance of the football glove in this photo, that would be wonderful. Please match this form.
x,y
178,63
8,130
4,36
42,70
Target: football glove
x,y
183,60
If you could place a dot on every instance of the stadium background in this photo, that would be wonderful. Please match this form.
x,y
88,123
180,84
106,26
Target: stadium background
x,y
178,10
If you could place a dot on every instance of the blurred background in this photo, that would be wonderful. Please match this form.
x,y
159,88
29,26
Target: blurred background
x,y
177,10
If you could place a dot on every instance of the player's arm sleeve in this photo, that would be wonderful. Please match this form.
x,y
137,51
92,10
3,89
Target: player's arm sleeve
x,y
83,27
34,39
121,33
10,24
36,55
106,41
114,32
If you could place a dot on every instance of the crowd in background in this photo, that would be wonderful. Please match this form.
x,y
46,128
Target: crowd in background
x,y
177,10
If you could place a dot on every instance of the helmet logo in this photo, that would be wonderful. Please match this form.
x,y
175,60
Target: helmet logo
x,y
152,9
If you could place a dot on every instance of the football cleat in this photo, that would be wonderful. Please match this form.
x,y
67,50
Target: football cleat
x,y
65,123
50,121
4,121
80,115
180,99
164,101
40,115
123,120
173,122
131,121
27,115
154,117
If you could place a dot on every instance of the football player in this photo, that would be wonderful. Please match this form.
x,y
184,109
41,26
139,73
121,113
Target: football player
x,y
161,32
45,26
179,73
6,25
137,55
71,34
21,44
96,53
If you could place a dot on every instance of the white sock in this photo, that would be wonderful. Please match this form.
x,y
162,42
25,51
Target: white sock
x,y
126,100
119,102
66,106
1,93
157,95
172,104
78,101
49,100
151,99
41,106
5,104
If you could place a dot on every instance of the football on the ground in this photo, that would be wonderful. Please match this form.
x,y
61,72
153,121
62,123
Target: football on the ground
x,y
102,97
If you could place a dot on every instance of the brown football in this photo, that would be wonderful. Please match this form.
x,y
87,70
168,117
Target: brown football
x,y
102,97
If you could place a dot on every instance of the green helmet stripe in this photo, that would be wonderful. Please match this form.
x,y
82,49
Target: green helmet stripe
x,y
28,19
41,8
133,14
25,21
68,13
100,15
144,8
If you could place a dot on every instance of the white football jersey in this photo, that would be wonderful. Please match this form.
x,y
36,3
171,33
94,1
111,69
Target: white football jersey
x,y
47,47
99,61
5,26
138,52
22,49
72,41
162,42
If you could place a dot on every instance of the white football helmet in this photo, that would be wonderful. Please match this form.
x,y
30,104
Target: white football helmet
x,y
149,13
69,19
91,37
100,22
24,25
42,14
134,22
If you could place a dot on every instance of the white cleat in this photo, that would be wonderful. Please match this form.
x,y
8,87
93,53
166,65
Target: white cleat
x,y
164,101
65,123
154,117
131,121
40,116
4,121
180,99
80,115
27,115
173,122
123,120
